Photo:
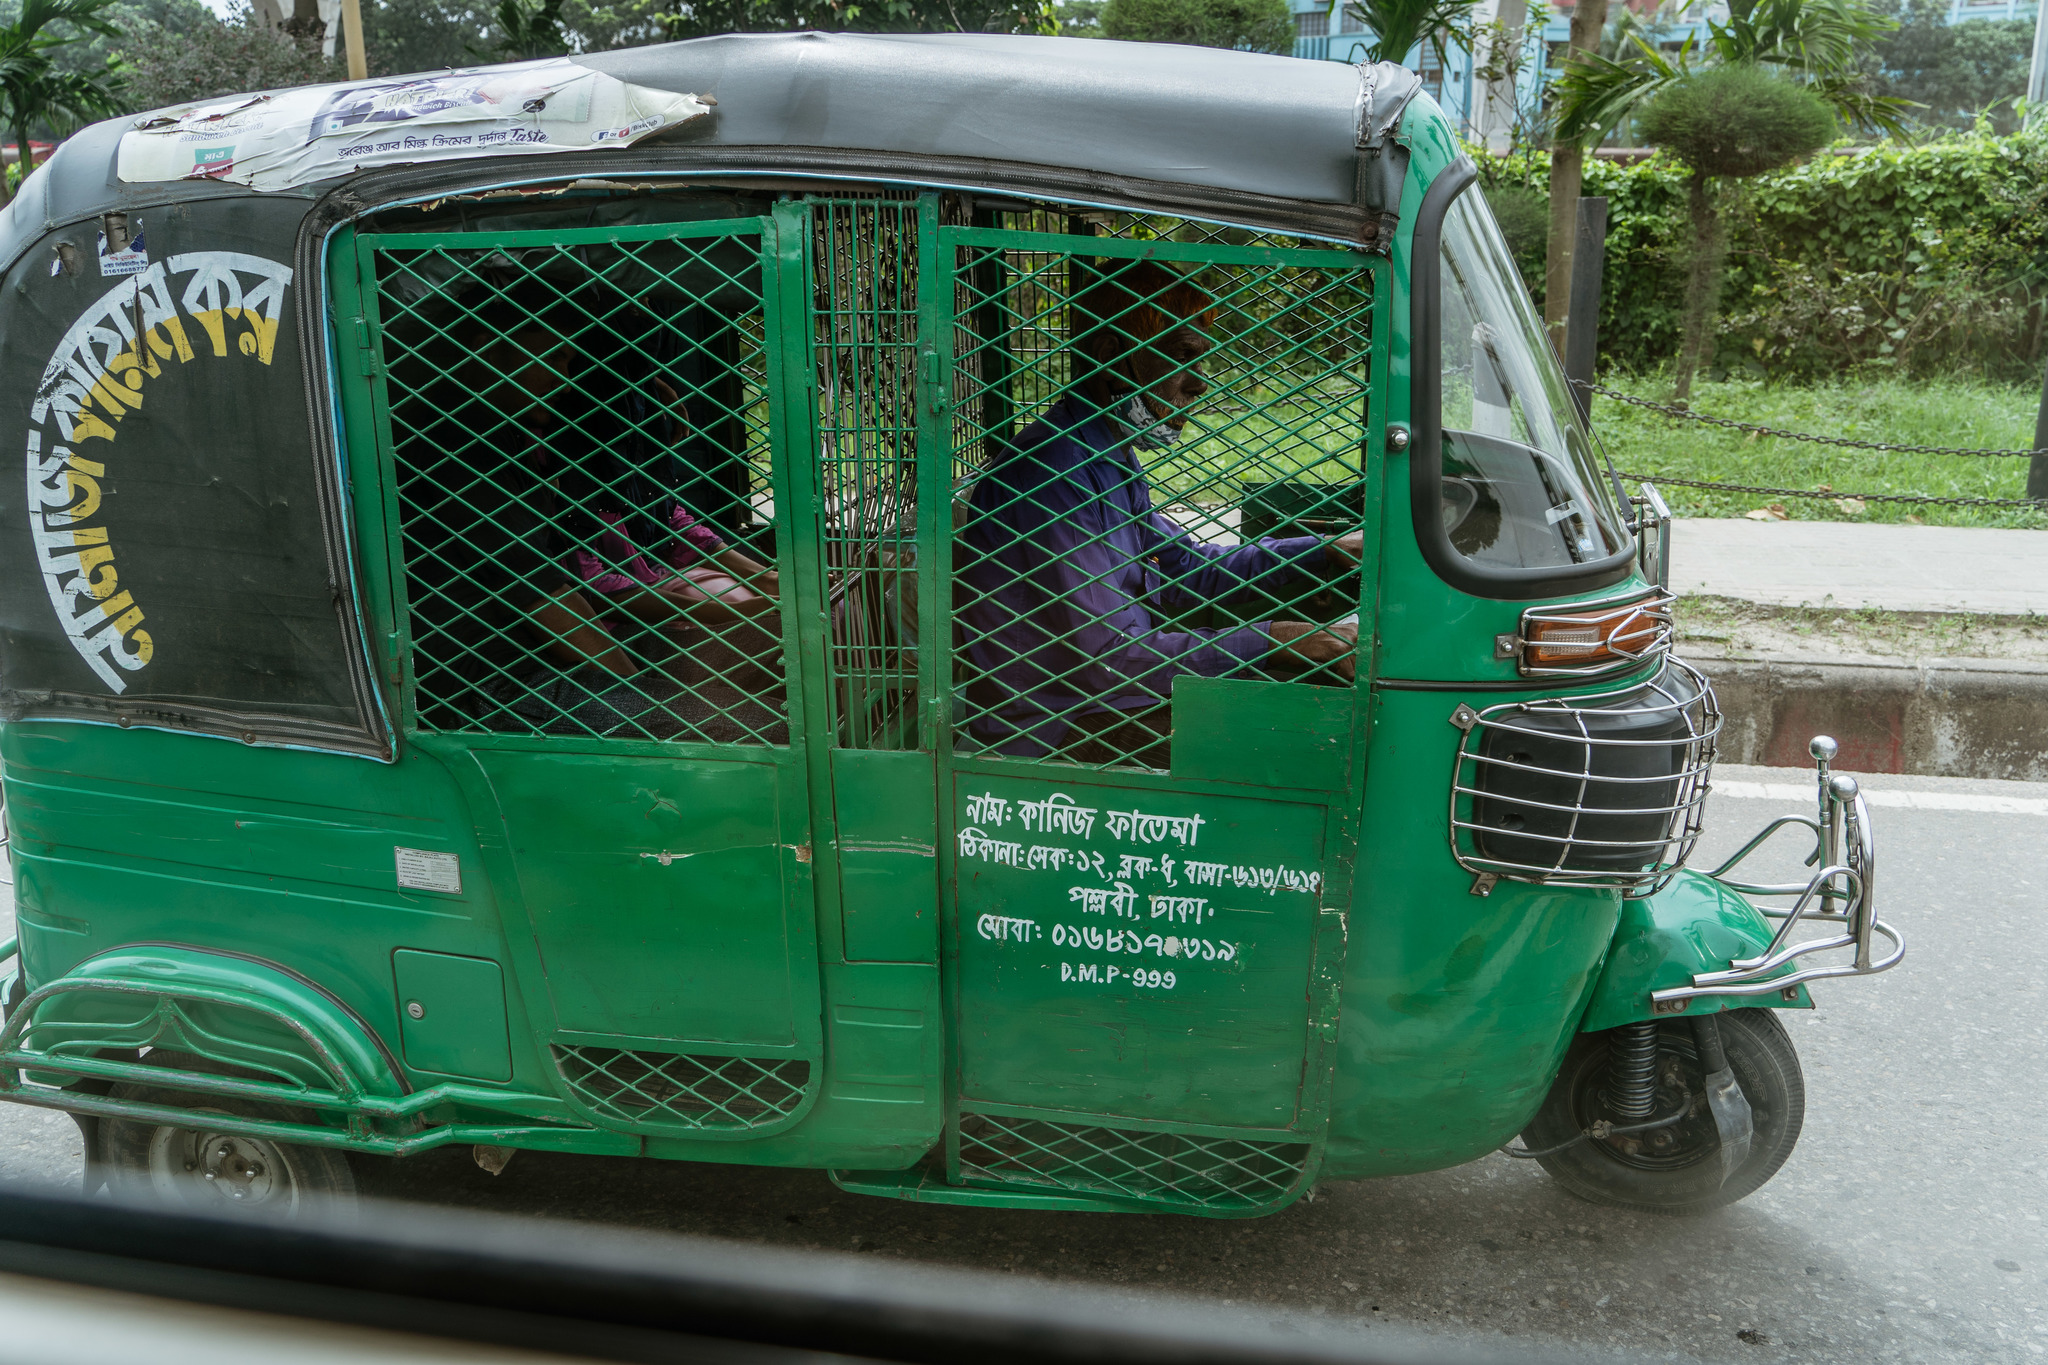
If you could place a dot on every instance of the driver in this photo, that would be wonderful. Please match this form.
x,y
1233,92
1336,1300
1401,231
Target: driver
x,y
1066,571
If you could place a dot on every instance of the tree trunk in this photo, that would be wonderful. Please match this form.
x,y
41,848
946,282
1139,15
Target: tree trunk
x,y
22,158
1702,290
1567,169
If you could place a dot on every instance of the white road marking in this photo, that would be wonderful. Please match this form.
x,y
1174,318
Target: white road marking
x,y
1806,793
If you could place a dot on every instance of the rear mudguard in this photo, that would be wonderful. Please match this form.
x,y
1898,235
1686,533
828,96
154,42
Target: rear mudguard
x,y
249,1015
285,1044
1693,925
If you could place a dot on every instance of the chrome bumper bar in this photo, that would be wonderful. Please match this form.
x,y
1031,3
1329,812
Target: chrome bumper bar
x,y
1841,892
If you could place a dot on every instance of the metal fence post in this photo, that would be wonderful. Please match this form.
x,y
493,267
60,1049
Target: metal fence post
x,y
1582,322
2037,468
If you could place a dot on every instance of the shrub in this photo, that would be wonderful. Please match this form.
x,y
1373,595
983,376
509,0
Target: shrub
x,y
1736,121
1921,259
1257,25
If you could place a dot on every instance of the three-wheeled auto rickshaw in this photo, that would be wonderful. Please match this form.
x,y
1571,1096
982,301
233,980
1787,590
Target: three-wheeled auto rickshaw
x,y
1027,622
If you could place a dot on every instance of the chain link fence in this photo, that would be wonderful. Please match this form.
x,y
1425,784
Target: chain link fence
x,y
1681,413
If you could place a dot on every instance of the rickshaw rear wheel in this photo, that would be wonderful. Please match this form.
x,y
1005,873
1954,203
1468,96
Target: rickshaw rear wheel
x,y
1676,1169
204,1169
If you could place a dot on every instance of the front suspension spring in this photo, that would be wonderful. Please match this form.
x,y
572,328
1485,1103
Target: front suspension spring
x,y
1632,1071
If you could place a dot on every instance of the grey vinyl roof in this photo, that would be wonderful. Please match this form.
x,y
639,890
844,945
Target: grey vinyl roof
x,y
1241,121
1237,122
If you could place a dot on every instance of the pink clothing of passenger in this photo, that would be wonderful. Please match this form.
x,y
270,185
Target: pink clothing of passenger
x,y
695,542
617,564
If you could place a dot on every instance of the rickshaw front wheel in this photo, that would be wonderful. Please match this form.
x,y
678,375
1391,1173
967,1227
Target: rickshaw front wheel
x,y
1675,1168
204,1169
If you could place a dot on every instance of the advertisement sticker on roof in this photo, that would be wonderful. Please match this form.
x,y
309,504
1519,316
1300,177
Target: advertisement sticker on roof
x,y
274,142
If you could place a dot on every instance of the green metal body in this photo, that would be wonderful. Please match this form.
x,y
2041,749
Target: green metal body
x,y
839,943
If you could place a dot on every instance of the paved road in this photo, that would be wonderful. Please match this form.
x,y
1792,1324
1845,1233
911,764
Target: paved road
x,y
1907,1227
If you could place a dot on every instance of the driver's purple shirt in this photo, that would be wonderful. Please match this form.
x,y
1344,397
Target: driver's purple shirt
x,y
1061,568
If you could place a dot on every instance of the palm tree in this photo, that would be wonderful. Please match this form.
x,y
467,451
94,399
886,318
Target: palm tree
x,y
1818,43
1399,27
32,88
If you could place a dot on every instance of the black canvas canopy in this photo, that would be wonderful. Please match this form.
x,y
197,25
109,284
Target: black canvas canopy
x,y
178,555
1076,112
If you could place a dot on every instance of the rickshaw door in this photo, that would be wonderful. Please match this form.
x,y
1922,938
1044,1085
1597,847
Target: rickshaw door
x,y
1145,899
567,419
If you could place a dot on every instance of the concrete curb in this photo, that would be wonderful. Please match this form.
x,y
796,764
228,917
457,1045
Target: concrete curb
x,y
1938,717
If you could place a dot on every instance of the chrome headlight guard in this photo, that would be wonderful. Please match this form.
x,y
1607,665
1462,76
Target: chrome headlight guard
x,y
1601,790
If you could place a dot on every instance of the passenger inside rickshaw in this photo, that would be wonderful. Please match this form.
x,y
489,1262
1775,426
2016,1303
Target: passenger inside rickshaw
x,y
563,522
1077,590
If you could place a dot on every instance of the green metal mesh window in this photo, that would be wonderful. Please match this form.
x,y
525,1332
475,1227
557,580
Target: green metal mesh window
x,y
863,270
1157,428
580,426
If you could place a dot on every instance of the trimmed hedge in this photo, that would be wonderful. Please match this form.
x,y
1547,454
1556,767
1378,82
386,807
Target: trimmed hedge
x,y
1920,259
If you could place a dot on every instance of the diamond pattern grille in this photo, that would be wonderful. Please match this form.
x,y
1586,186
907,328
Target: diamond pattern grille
x,y
865,334
658,1089
581,433
1167,1168
1081,594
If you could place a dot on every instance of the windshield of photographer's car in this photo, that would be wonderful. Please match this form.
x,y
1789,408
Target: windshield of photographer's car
x,y
1522,488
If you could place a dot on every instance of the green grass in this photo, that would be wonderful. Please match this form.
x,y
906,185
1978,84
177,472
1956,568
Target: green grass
x,y
1945,412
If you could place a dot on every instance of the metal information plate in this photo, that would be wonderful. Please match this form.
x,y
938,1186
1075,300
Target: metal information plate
x,y
422,869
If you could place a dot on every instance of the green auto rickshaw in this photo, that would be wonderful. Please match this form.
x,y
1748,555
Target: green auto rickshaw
x,y
1027,622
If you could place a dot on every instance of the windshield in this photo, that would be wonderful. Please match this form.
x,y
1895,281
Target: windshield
x,y
1521,486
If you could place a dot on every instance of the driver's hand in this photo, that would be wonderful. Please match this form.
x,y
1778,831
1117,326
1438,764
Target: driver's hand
x,y
1345,551
1304,646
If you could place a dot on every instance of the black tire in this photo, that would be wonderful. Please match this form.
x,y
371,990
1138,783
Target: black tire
x,y
1676,1170
204,1170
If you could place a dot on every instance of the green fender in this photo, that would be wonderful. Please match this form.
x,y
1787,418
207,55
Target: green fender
x,y
234,1010
1693,925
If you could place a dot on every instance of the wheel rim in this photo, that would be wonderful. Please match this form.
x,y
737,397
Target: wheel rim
x,y
1690,1141
213,1168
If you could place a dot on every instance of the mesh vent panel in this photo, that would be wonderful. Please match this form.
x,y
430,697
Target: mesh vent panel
x,y
1170,1168
658,1089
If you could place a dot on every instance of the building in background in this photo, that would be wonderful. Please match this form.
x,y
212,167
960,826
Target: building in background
x,y
1488,111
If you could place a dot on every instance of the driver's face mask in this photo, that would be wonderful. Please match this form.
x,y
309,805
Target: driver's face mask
x,y
1148,432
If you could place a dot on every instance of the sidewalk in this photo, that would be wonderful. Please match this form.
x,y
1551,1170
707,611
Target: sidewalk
x,y
1846,564
1922,710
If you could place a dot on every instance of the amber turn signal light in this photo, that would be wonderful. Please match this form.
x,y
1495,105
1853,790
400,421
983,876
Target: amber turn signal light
x,y
1590,640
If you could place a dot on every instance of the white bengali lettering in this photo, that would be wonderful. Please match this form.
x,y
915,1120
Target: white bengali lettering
x,y
1057,814
1003,928
1182,909
988,809
973,844
1145,828
1118,900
